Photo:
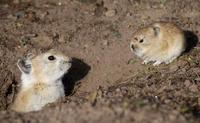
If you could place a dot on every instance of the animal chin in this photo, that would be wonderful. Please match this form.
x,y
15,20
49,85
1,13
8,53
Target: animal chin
x,y
138,52
64,68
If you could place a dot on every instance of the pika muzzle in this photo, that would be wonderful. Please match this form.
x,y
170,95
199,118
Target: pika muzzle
x,y
132,46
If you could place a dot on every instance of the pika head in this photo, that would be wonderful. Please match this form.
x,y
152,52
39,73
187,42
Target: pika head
x,y
143,39
47,67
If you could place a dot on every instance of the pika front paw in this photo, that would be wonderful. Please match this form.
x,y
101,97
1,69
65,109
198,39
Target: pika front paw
x,y
157,63
145,61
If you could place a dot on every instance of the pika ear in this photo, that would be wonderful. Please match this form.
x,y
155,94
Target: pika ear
x,y
29,56
24,64
156,30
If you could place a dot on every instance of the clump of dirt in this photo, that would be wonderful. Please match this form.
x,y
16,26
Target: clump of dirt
x,y
107,83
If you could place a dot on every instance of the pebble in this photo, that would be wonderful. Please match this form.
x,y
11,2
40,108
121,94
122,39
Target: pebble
x,y
61,39
167,101
193,88
174,68
85,46
12,17
105,43
59,3
118,90
110,13
43,15
31,35
129,14
1,52
187,83
197,79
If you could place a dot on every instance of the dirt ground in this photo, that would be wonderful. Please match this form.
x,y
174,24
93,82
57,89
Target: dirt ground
x,y
107,83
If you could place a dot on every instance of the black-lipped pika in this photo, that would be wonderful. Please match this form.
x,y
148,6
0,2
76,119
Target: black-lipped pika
x,y
160,42
41,80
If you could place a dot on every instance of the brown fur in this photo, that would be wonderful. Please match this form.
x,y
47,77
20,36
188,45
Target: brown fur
x,y
160,41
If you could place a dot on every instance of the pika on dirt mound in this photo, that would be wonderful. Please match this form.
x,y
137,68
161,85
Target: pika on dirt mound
x,y
107,82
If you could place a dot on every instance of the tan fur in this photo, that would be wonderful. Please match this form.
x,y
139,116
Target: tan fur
x,y
162,42
43,84
21,101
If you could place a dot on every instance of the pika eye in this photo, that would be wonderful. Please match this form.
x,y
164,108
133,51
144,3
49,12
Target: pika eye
x,y
51,58
142,40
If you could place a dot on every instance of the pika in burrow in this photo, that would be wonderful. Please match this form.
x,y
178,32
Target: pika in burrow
x,y
41,80
161,42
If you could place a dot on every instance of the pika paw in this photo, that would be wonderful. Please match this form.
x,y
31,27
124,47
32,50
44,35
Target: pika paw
x,y
41,80
160,42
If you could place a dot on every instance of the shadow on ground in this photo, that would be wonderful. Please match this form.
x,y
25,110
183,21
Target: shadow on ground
x,y
191,40
78,71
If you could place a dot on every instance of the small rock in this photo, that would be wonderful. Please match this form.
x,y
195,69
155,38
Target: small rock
x,y
173,68
59,3
187,83
61,39
197,79
105,43
196,69
118,90
85,46
193,88
167,101
43,15
119,110
110,13
31,35
1,52
12,17
129,14
19,24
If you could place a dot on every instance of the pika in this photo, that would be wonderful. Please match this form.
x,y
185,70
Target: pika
x,y
41,80
161,42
